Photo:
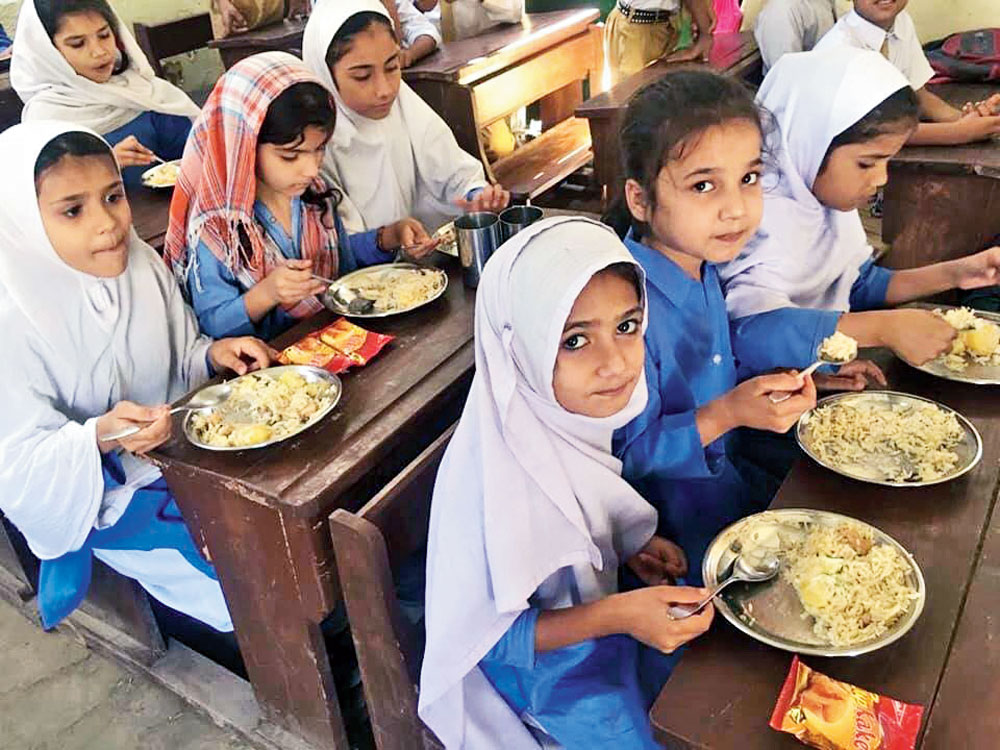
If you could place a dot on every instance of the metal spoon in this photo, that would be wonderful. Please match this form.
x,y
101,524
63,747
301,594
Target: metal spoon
x,y
206,398
743,570
777,398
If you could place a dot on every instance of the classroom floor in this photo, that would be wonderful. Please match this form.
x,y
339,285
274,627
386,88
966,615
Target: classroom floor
x,y
56,693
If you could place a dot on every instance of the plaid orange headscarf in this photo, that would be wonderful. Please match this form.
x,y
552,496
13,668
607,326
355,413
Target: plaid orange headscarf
x,y
216,187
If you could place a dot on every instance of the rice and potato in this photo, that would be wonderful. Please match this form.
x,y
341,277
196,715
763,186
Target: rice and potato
x,y
978,340
262,408
853,587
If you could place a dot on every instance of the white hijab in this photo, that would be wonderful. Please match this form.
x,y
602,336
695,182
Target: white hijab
x,y
526,488
805,254
52,90
77,345
406,164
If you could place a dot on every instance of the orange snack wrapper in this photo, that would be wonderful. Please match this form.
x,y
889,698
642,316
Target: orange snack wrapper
x,y
336,347
832,715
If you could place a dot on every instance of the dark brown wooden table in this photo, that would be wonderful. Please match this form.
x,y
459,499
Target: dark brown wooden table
x,y
474,82
150,214
263,514
723,691
943,202
285,36
734,55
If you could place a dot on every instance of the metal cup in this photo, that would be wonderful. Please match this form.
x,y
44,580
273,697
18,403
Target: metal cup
x,y
478,236
516,218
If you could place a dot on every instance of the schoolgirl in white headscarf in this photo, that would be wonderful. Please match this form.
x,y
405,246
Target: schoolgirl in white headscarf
x,y
75,61
809,271
531,518
98,339
391,153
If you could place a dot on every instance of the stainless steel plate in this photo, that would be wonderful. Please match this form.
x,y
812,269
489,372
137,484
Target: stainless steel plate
x,y
772,613
335,302
150,174
311,374
975,373
969,450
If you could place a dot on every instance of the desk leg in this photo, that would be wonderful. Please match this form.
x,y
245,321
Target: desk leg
x,y
604,137
279,637
931,217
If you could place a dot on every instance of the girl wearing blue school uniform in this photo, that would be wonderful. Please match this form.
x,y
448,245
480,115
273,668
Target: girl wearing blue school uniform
x,y
102,342
691,145
809,271
252,223
530,642
74,60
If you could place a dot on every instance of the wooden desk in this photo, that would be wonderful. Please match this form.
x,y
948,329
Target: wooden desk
x,y
474,82
150,214
723,691
263,514
734,55
285,37
942,202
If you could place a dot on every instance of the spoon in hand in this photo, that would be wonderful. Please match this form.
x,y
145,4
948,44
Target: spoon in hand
x,y
823,358
743,570
206,398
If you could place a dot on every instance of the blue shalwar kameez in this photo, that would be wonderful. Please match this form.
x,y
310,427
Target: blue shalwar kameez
x,y
217,296
689,361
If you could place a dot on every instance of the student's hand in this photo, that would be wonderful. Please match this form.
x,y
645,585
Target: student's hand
x,y
974,271
241,355
917,336
985,108
232,19
155,422
660,561
645,618
750,402
131,153
292,282
971,128
405,57
854,376
699,51
491,198
409,236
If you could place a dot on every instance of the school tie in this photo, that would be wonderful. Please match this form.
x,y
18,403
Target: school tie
x,y
885,47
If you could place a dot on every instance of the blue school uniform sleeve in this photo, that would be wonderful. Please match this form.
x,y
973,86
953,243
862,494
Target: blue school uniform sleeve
x,y
217,298
660,442
871,286
516,648
782,338
171,134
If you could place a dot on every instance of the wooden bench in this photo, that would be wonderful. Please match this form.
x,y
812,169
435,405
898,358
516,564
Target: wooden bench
x,y
475,82
285,36
370,546
735,55
162,40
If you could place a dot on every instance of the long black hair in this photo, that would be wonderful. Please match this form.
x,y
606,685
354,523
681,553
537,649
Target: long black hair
x,y
72,143
897,113
341,43
298,107
665,117
51,13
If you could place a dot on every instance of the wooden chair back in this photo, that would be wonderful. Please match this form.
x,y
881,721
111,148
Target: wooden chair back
x,y
370,546
162,40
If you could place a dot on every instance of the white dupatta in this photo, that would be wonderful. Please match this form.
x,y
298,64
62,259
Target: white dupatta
x,y
52,90
526,488
406,164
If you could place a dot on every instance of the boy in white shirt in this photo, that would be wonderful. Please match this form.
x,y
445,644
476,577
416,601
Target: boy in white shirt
x,y
420,36
885,26
785,26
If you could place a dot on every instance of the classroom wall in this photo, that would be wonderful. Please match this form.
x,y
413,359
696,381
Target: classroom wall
x,y
199,69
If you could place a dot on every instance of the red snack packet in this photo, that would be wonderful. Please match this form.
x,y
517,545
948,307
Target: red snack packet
x,y
336,347
833,715
353,341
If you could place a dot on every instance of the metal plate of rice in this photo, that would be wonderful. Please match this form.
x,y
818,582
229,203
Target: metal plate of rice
x,y
886,468
974,372
772,612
